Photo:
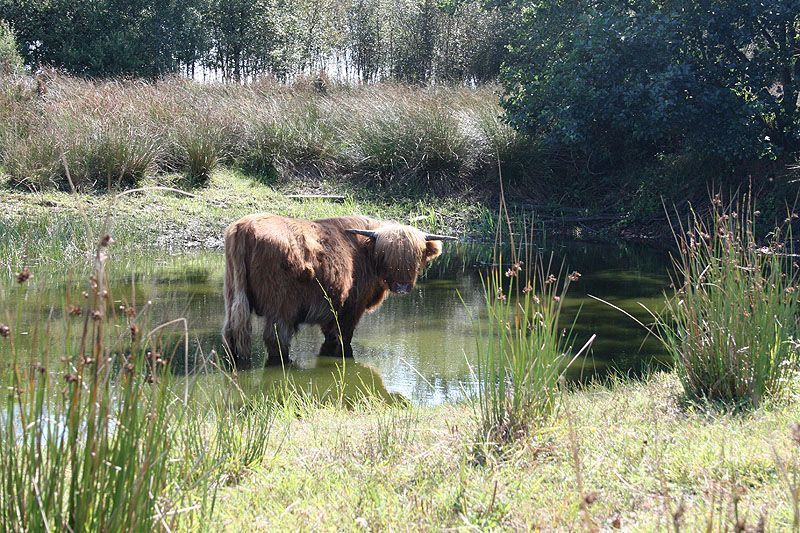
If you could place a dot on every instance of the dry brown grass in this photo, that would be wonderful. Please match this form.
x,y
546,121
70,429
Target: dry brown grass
x,y
115,133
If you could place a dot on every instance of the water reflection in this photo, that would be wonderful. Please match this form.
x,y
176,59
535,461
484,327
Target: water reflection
x,y
420,346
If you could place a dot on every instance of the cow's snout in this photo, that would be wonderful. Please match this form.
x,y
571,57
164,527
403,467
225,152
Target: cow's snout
x,y
401,288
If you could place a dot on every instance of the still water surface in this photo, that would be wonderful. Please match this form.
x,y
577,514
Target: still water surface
x,y
421,345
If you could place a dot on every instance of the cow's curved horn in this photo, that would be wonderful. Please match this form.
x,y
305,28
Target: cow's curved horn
x,y
365,232
434,237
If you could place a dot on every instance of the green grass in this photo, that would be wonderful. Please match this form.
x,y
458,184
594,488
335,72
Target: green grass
x,y
641,454
51,225
233,461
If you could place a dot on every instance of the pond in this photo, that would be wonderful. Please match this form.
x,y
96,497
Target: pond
x,y
420,346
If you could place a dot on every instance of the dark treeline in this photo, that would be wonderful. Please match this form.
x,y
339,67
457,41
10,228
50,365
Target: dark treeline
x,y
660,98
356,40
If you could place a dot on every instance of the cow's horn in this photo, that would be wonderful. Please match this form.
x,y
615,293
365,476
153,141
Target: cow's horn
x,y
434,237
365,232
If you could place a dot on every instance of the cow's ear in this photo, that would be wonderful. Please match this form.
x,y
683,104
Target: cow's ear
x,y
432,249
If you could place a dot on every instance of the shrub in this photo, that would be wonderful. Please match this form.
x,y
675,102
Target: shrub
x,y
10,58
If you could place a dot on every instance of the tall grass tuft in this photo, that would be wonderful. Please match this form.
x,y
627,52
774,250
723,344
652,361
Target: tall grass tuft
x,y
114,133
732,323
84,437
523,348
95,432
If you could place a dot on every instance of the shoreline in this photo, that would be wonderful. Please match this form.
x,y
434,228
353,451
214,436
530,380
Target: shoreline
x,y
52,225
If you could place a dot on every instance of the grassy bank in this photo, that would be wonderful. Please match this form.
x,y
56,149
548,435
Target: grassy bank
x,y
51,225
646,461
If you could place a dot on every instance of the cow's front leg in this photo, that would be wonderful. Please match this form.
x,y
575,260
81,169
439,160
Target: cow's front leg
x,y
277,339
336,345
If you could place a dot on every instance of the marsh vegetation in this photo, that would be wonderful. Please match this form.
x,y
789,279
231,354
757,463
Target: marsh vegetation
x,y
535,383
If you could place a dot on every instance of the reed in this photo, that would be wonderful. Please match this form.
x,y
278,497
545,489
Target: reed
x,y
523,347
731,323
86,433
116,133
96,433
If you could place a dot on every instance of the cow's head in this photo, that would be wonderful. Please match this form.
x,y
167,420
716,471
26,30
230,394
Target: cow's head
x,y
401,252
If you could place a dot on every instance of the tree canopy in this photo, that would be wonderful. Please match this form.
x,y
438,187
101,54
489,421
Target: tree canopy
x,y
616,79
409,40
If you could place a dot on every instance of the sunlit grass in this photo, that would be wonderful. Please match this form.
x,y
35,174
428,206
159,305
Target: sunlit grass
x,y
50,226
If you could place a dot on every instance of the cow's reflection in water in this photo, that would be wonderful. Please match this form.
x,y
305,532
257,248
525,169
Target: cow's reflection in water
x,y
324,380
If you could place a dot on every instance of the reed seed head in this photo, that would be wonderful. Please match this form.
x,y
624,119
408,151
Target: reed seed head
x,y
527,289
796,433
24,275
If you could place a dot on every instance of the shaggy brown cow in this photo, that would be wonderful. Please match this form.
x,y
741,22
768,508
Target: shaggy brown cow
x,y
293,272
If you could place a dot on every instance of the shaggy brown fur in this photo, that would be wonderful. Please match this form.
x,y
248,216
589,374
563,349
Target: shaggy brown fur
x,y
292,271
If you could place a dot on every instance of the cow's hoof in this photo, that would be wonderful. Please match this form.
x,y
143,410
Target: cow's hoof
x,y
335,350
277,361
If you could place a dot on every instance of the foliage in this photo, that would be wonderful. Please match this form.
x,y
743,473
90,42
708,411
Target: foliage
x,y
10,58
617,84
367,40
732,323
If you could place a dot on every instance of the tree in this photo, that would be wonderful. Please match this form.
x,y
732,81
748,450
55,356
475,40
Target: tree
x,y
613,79
10,59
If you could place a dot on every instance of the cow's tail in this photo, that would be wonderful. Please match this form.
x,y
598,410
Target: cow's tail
x,y
236,331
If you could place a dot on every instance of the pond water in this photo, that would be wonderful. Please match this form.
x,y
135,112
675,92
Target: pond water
x,y
420,346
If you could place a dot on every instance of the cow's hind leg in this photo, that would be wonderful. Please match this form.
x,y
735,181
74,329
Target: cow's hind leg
x,y
277,339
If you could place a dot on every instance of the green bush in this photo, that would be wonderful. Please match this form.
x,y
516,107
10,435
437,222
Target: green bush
x,y
616,89
10,58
